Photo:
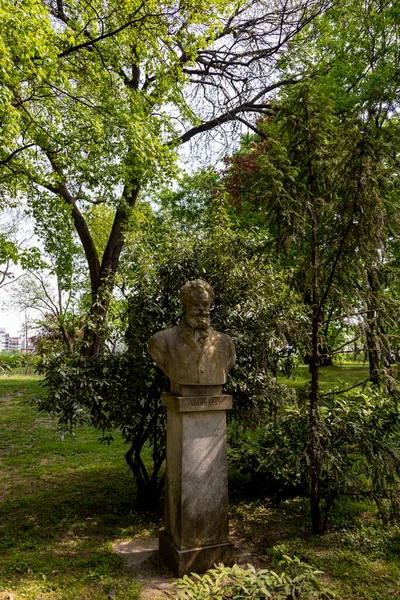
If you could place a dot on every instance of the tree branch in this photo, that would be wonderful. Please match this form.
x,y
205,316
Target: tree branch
x,y
348,315
232,115
115,242
11,156
104,36
337,350
80,224
346,390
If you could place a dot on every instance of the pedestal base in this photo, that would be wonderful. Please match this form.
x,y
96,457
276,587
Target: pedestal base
x,y
195,560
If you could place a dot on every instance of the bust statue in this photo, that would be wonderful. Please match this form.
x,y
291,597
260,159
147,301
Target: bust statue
x,y
192,353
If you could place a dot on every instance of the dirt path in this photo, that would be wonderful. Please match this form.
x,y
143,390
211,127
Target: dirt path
x,y
143,562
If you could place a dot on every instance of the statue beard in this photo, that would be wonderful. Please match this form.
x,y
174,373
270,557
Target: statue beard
x,y
200,328
200,335
197,323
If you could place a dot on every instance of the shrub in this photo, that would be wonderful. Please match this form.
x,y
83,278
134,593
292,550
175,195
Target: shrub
x,y
113,392
299,581
253,304
358,448
5,368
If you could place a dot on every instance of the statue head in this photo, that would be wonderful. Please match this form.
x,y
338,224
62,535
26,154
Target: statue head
x,y
196,297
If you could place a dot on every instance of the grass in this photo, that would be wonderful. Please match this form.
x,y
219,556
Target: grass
x,y
335,377
64,503
359,557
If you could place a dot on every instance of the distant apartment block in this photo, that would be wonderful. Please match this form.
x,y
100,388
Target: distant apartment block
x,y
7,342
14,343
3,339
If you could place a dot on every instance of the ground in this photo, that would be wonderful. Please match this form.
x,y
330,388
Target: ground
x,y
66,506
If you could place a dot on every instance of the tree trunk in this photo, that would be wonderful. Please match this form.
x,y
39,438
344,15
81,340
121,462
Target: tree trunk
x,y
373,343
314,433
148,489
313,423
103,283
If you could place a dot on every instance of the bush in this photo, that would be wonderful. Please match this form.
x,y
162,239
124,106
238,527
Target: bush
x,y
273,452
358,449
113,392
5,368
222,583
253,304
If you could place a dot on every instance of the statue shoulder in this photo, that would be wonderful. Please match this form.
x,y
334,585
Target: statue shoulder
x,y
224,338
158,346
161,338
226,344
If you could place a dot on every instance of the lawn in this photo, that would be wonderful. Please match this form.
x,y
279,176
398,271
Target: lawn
x,y
335,377
64,502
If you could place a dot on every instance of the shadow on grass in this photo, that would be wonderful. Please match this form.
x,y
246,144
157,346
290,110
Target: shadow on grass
x,y
64,534
96,502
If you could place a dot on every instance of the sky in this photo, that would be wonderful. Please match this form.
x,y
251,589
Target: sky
x,y
12,318
12,321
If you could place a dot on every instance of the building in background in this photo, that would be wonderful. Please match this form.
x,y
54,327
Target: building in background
x,y
14,343
9,343
4,337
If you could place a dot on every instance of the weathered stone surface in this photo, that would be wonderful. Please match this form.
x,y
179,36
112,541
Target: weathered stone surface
x,y
192,353
195,560
195,390
186,361
196,510
197,403
197,360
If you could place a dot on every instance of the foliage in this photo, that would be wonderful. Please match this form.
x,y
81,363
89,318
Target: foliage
x,y
355,46
309,143
357,444
273,452
113,392
191,206
298,581
5,367
13,359
123,391
324,182
13,250
359,556
96,98
253,302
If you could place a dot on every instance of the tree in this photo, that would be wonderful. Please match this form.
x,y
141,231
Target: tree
x,y
325,174
323,185
57,305
253,304
97,97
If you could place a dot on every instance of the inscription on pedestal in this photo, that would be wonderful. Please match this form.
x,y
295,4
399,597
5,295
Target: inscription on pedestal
x,y
207,402
199,403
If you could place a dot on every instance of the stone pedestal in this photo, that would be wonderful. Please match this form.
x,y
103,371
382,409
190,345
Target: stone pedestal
x,y
196,505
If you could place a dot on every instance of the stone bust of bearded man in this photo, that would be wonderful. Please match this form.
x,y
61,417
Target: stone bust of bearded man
x,y
192,353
